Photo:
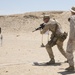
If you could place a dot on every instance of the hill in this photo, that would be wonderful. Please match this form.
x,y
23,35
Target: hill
x,y
29,21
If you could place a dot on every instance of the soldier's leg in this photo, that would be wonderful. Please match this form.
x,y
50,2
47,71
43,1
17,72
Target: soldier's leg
x,y
60,47
69,53
49,50
50,53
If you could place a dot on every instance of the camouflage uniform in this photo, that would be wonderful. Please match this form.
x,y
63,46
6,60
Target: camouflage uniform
x,y
71,41
51,26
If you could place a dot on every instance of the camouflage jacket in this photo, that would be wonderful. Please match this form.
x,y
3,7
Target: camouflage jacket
x,y
51,26
72,28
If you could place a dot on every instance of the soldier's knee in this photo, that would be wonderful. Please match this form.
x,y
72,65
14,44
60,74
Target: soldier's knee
x,y
60,48
48,46
59,43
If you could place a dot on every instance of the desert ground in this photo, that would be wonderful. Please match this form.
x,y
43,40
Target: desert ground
x,y
20,47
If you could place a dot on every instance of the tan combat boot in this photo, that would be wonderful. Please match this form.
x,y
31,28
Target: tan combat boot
x,y
52,61
70,68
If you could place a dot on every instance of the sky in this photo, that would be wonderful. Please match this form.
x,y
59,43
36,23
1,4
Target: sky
x,y
23,6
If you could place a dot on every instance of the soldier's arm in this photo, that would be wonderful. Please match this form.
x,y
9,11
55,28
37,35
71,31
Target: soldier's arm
x,y
46,28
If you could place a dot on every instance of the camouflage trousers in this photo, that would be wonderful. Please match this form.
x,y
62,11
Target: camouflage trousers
x,y
69,52
60,47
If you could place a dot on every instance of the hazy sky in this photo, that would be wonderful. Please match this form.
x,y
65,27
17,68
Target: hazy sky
x,y
23,6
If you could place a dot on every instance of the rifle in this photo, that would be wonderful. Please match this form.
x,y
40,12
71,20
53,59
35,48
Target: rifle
x,y
41,27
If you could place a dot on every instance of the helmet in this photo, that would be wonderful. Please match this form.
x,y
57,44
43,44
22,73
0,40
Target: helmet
x,y
46,17
73,9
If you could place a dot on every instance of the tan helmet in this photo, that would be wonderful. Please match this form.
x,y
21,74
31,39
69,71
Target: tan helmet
x,y
46,17
73,9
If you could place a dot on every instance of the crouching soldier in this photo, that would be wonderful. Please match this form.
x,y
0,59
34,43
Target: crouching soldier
x,y
57,37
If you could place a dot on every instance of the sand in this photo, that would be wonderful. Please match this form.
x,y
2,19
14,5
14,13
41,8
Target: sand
x,y
21,47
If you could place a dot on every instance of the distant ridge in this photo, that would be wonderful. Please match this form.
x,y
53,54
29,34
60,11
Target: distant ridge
x,y
28,21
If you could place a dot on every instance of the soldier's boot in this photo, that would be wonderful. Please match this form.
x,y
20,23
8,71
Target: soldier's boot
x,y
70,68
52,61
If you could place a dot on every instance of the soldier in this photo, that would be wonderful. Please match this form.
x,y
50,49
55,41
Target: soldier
x,y
71,41
1,37
57,37
0,30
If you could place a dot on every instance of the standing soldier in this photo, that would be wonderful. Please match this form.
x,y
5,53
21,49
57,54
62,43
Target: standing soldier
x,y
71,41
57,37
1,37
0,30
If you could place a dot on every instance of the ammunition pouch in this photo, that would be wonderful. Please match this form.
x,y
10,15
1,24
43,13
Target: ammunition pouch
x,y
63,36
54,38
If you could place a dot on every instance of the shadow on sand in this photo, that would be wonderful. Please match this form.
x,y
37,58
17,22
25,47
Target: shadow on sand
x,y
44,64
67,72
